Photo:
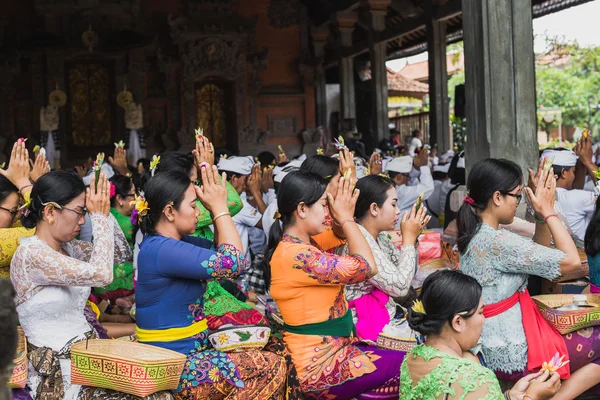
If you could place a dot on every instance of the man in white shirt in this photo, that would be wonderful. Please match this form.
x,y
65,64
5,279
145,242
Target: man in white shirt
x,y
578,205
416,142
399,171
246,181
437,202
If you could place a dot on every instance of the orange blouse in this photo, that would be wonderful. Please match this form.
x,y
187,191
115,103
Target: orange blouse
x,y
307,284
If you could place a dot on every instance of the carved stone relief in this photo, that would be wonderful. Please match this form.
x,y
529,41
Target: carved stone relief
x,y
284,13
282,125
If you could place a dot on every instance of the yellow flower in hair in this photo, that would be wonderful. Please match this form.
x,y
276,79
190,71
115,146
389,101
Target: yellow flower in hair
x,y
36,148
320,151
26,204
418,307
154,164
3,165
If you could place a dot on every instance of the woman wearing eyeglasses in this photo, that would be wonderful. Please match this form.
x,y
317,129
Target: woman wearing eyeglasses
x,y
52,274
122,197
14,186
516,339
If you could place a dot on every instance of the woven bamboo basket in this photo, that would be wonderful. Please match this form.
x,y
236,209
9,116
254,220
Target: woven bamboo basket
x,y
134,368
568,321
18,379
395,343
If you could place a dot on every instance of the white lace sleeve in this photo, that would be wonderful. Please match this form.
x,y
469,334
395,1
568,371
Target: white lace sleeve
x,y
36,264
122,250
395,268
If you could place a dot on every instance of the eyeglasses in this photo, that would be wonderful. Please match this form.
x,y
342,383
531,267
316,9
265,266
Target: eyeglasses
x,y
129,195
519,197
13,213
80,214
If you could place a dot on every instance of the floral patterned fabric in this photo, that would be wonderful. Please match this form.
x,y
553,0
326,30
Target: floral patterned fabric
x,y
395,270
429,374
9,242
172,280
308,287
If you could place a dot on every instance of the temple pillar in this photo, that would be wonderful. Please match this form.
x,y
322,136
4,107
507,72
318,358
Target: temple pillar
x,y
378,57
319,37
439,111
345,22
500,81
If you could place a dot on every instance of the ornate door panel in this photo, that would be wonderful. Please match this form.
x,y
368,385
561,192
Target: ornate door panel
x,y
215,112
90,108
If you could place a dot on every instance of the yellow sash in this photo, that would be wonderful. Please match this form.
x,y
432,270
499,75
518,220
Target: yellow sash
x,y
171,334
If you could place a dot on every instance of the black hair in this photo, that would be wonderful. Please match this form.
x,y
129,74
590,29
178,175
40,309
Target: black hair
x,y
59,187
266,158
416,133
176,161
488,176
161,190
444,295
8,324
373,189
558,170
122,187
457,175
592,233
295,188
145,163
230,174
325,167
439,175
6,188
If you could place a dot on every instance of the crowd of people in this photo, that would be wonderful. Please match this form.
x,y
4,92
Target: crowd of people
x,y
174,248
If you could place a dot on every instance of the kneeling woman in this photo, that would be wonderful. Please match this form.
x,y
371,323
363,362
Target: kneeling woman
x,y
376,212
449,312
516,338
173,272
308,283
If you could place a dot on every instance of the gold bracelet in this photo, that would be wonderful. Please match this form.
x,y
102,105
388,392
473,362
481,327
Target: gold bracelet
x,y
219,215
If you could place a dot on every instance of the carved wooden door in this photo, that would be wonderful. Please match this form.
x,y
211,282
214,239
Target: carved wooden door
x,y
215,112
90,107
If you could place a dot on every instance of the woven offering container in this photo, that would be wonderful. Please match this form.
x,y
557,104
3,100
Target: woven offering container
x,y
134,368
232,339
395,343
18,379
572,320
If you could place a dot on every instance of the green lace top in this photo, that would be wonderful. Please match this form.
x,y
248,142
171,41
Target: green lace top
x,y
449,378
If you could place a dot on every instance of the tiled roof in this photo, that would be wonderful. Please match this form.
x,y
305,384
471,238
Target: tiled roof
x,y
420,71
401,84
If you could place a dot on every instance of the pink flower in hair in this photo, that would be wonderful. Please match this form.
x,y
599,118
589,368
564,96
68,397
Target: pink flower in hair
x,y
113,190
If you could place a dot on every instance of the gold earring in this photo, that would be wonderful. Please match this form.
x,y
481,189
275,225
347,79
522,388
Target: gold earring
x,y
51,221
121,204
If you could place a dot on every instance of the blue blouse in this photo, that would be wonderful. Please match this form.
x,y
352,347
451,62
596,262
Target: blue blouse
x,y
594,263
172,277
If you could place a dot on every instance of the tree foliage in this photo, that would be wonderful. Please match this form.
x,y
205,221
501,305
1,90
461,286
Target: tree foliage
x,y
568,77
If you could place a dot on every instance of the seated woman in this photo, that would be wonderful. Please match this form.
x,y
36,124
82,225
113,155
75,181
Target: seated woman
x,y
449,312
52,274
122,198
173,272
516,339
307,283
15,185
376,212
592,249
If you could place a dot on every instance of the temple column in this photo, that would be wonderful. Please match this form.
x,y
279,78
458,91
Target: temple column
x,y
345,22
500,81
439,111
378,57
319,37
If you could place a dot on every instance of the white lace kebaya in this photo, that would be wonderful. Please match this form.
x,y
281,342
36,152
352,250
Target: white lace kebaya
x,y
52,288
